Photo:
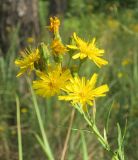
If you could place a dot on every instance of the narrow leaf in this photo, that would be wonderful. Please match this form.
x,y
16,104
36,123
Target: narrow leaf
x,y
84,147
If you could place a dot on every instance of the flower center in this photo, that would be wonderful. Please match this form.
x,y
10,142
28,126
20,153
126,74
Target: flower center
x,y
82,96
52,85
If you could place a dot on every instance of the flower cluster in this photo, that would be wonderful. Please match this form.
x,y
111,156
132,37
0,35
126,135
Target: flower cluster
x,y
55,77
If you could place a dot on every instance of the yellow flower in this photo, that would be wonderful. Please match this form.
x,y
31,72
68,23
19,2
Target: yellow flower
x,y
30,39
52,81
113,24
24,110
54,24
2,128
126,61
57,47
28,60
13,132
82,91
89,50
120,74
134,27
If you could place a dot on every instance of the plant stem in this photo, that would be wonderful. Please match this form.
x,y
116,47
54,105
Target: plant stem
x,y
19,129
68,135
40,122
100,138
97,133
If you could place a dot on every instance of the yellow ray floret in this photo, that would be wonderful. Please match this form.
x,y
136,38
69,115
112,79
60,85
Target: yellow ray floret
x,y
88,49
82,91
27,61
54,24
52,81
58,48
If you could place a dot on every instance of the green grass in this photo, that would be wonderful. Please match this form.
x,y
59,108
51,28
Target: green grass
x,y
41,134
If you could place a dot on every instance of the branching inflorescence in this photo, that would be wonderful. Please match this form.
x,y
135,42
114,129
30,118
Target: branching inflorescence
x,y
56,78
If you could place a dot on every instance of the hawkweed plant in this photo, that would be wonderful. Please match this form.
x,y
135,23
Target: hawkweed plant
x,y
58,78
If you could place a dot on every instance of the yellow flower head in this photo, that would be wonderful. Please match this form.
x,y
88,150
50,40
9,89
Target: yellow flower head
x,y
2,129
89,50
28,60
82,91
54,24
24,110
113,24
30,39
57,47
120,74
52,81
135,28
126,61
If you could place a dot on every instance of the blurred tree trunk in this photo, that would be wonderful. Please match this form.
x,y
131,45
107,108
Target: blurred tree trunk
x,y
22,13
57,7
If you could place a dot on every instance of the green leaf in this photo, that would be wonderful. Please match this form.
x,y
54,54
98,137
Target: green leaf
x,y
108,116
84,147
120,150
119,135
40,141
41,125
105,135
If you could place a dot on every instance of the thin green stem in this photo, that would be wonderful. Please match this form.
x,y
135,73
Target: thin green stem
x,y
96,132
19,129
40,122
100,138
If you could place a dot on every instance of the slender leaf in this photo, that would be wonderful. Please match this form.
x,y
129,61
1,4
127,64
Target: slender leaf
x,y
84,147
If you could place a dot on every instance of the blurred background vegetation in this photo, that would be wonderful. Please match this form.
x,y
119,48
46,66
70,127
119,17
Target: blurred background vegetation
x,y
115,25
